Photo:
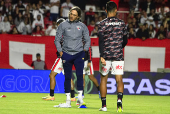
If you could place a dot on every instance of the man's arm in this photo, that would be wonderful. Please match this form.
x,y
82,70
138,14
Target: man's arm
x,y
124,36
58,37
86,38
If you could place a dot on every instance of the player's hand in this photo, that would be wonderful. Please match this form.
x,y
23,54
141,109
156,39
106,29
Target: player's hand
x,y
89,65
61,54
103,61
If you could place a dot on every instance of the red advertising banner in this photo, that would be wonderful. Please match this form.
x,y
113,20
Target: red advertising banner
x,y
18,52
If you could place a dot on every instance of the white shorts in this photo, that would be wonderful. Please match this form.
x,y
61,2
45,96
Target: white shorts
x,y
87,70
58,66
116,68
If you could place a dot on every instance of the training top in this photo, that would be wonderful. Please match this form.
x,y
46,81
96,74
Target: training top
x,y
112,33
72,33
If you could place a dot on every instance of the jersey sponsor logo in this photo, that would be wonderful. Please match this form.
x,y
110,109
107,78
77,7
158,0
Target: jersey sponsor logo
x,y
64,61
113,23
119,67
78,27
60,68
104,69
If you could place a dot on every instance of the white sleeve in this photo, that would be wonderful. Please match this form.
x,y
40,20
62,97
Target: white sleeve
x,y
8,27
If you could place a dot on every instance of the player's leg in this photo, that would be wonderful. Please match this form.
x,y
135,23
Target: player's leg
x,y
67,65
72,91
104,70
118,72
56,68
79,65
92,78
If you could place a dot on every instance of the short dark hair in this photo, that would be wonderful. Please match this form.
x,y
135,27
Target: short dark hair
x,y
77,9
38,55
111,6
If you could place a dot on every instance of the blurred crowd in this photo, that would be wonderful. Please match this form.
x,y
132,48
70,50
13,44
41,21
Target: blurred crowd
x,y
146,18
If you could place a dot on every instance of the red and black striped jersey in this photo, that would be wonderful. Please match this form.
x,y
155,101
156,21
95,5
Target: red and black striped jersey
x,y
111,32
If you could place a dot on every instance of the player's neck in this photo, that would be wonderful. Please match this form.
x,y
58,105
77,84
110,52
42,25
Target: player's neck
x,y
111,15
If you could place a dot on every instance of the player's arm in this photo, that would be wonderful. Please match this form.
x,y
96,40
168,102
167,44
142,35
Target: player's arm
x,y
125,40
58,38
101,43
86,38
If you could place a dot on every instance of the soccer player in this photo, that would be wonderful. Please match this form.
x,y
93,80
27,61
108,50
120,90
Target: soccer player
x,y
72,52
57,68
112,35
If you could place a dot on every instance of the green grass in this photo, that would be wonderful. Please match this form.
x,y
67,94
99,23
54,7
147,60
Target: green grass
x,y
31,103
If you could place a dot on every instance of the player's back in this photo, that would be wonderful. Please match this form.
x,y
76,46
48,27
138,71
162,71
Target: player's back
x,y
112,30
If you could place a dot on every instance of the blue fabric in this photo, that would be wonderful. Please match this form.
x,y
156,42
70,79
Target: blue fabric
x,y
53,16
68,61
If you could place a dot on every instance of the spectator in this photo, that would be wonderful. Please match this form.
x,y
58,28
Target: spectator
x,y
134,23
2,7
142,33
96,17
54,10
11,21
41,5
162,16
91,26
47,21
51,30
146,26
138,19
25,27
154,15
148,6
39,9
8,3
65,8
39,64
38,21
161,34
144,18
36,11
1,17
167,20
151,21
131,14
16,12
28,13
95,30
89,16
5,26
21,6
129,26
132,4
14,31
18,19
131,33
152,32
37,31
9,11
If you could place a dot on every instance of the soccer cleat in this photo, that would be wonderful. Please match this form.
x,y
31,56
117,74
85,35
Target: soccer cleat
x,y
80,103
48,98
103,109
73,99
63,105
119,106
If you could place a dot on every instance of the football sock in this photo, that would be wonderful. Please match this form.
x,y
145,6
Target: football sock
x,y
51,92
68,96
120,96
98,88
103,101
80,94
72,94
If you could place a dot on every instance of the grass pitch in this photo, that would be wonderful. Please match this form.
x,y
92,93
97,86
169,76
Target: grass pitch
x,y
31,103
